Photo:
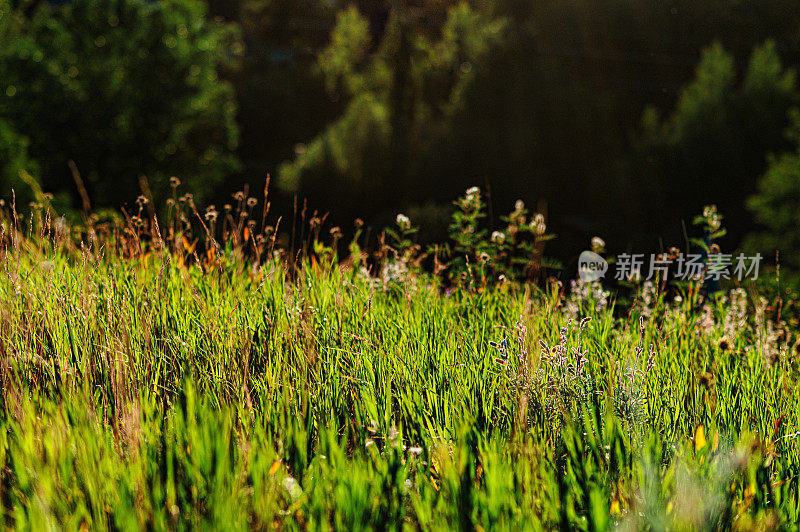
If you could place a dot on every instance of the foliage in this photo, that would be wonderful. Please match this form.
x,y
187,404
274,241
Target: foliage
x,y
13,146
775,206
717,136
124,88
280,93
402,92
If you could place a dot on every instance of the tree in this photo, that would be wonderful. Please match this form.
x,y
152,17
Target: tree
x,y
281,95
124,88
776,205
713,146
14,156
401,95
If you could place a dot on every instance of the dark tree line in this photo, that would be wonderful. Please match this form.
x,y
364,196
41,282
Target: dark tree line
x,y
619,117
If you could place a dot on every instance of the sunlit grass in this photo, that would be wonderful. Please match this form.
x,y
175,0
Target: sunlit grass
x,y
149,390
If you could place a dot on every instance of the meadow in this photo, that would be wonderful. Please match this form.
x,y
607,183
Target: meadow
x,y
195,373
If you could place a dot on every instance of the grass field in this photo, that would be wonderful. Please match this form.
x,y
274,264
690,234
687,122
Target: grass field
x,y
149,388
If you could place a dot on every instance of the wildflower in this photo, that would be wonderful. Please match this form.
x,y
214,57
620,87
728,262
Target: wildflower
x,y
472,192
712,217
538,225
142,200
736,318
598,244
211,213
403,222
649,298
174,182
292,487
336,232
239,196
498,237
252,202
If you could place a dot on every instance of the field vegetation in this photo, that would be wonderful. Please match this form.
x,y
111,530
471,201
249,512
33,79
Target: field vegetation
x,y
197,370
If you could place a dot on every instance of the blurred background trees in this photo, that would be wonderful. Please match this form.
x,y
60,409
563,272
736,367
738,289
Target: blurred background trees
x,y
616,117
123,88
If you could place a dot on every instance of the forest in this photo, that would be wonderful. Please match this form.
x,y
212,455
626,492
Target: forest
x,y
620,118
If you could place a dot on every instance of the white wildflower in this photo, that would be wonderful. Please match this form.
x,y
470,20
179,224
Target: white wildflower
x,y
538,225
403,222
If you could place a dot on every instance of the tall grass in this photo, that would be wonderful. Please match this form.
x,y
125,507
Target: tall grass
x,y
150,383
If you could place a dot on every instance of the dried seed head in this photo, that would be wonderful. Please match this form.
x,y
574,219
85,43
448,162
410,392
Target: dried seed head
x,y
724,343
174,182
252,202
